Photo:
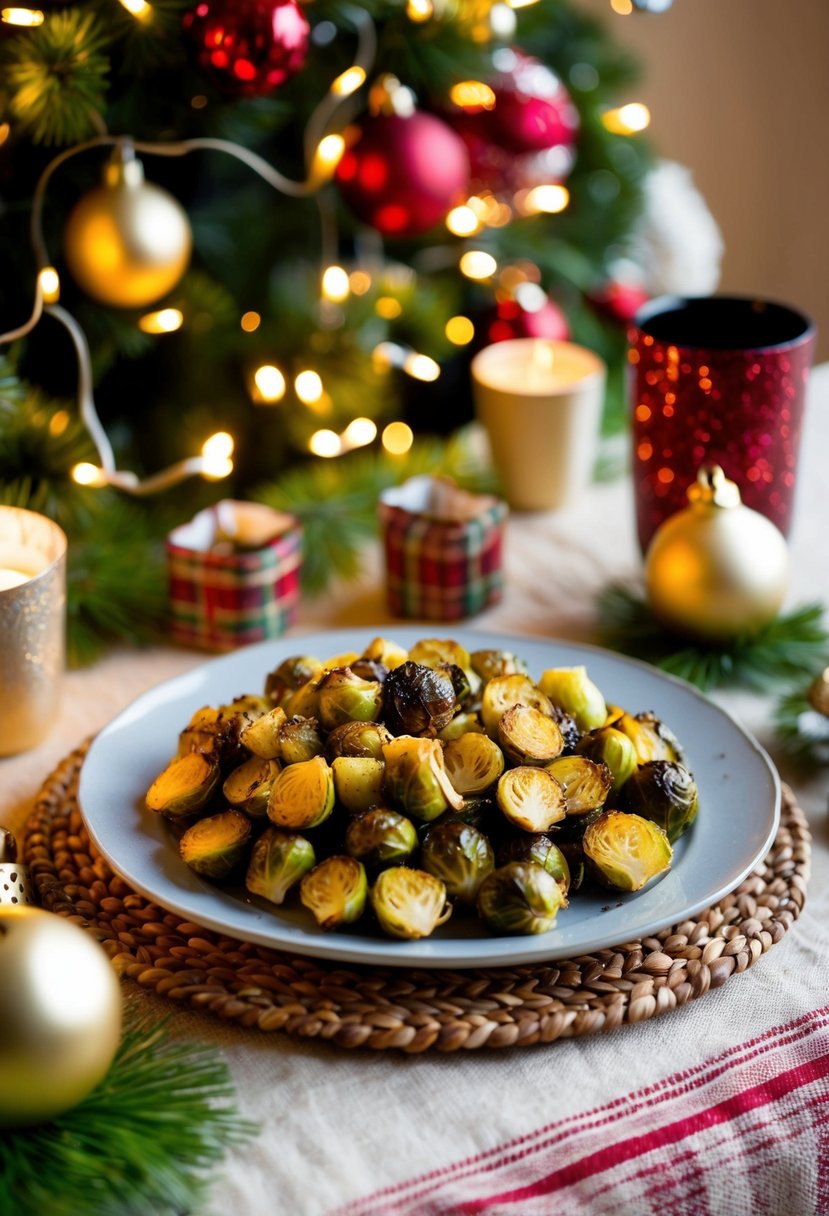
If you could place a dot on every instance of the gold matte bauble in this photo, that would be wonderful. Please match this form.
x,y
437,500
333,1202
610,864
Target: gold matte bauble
x,y
127,243
60,1015
716,569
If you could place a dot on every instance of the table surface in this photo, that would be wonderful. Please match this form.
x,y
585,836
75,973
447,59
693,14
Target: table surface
x,y
448,1133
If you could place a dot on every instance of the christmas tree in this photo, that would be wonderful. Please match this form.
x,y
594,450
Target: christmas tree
x,y
290,224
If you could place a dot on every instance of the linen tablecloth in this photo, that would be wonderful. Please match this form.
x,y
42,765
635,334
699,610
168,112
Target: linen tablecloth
x,y
719,1107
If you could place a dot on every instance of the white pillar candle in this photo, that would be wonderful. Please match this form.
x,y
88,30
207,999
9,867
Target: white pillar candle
x,y
541,404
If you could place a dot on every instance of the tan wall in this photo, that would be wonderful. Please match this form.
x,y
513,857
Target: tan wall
x,y
739,92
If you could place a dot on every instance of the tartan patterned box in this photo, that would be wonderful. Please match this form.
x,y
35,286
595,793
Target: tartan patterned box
x,y
233,576
442,549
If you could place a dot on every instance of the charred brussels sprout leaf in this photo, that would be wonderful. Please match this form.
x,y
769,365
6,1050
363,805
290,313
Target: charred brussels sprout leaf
x,y
409,903
665,792
300,739
520,897
358,739
290,675
416,779
419,701
570,732
358,782
572,689
531,799
460,856
611,747
345,697
380,837
586,783
302,795
652,739
262,736
277,862
214,846
473,763
529,736
335,891
185,786
625,851
248,787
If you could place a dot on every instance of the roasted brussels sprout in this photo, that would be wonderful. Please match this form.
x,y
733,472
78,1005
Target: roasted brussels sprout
x,y
482,812
380,837
570,732
305,701
665,792
185,786
343,697
462,724
381,650
262,735
358,782
460,856
528,736
302,796
530,798
409,903
610,746
216,732
418,700
277,862
572,689
439,652
520,897
586,783
625,851
502,692
652,739
537,847
369,669
358,739
248,787
213,846
335,891
290,675
473,763
416,779
490,663
300,739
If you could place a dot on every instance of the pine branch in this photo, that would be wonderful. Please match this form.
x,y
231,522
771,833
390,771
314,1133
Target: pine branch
x,y
802,732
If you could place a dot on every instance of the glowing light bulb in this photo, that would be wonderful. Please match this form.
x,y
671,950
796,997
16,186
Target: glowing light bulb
x,y
58,422
325,443
459,330
622,7
49,284
165,321
216,453
139,9
347,82
250,322
386,355
270,383
549,199
421,367
627,120
476,264
22,16
308,387
359,432
388,308
5,132
521,3
419,10
397,438
462,221
86,474
328,154
472,95
335,284
360,282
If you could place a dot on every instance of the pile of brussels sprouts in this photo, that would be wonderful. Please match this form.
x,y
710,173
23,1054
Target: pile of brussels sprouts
x,y
410,784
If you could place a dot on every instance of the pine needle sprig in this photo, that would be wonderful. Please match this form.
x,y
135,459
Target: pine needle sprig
x,y
790,647
141,1142
56,77
802,732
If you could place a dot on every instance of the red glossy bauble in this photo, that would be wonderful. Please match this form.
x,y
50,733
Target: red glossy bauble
x,y
402,175
509,320
248,47
618,301
533,109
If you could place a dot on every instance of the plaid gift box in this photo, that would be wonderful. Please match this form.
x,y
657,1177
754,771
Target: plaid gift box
x,y
442,549
233,576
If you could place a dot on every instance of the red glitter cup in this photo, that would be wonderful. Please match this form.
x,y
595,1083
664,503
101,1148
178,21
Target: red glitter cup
x,y
717,380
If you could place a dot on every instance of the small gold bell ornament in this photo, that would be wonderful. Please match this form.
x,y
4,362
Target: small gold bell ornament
x,y
716,569
60,1006
127,242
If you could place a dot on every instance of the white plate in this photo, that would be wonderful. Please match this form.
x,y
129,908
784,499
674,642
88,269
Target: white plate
x,y
738,787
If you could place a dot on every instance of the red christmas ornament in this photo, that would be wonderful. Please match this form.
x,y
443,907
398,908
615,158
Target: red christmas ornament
x,y
402,175
248,47
510,320
618,301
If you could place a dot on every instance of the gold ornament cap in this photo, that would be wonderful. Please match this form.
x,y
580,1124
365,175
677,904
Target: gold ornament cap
x,y
123,168
713,489
16,887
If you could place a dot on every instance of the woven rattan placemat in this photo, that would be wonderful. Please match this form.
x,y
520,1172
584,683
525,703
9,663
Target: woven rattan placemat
x,y
412,1010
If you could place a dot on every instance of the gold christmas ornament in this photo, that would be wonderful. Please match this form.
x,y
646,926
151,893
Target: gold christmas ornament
x,y
60,1015
716,569
127,243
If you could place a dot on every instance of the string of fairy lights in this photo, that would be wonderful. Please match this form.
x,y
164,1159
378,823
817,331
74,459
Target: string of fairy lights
x,y
324,147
